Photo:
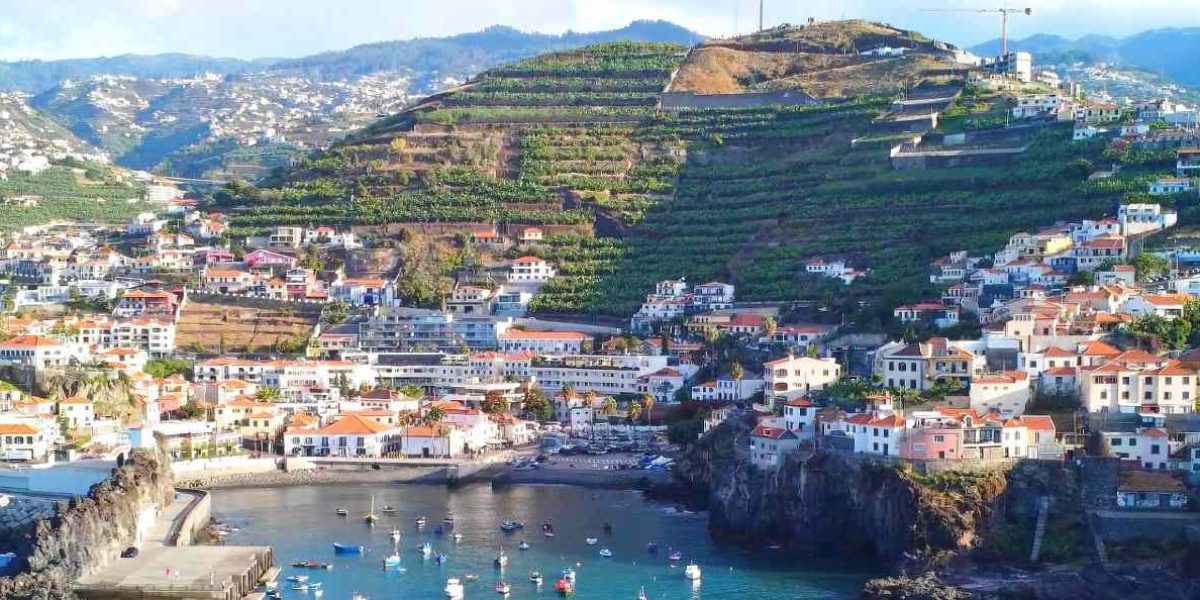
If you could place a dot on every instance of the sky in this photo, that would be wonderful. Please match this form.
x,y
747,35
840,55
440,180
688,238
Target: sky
x,y
55,29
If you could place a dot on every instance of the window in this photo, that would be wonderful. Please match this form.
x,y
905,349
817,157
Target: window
x,y
1132,441
1154,449
1116,441
941,438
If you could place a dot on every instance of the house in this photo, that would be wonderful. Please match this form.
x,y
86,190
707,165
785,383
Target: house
x,y
544,342
800,418
22,442
530,269
1145,490
486,237
78,412
768,445
265,258
531,235
1005,393
714,295
1187,162
471,300
350,435
37,352
432,441
1138,218
1137,381
363,291
934,312
662,384
225,281
799,375
1170,185
921,366
801,336
134,303
1167,306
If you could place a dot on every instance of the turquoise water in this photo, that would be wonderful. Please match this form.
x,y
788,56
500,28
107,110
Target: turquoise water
x,y
299,522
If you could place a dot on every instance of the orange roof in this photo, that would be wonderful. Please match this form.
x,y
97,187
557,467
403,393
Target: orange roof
x,y
1056,352
860,419
528,259
1034,422
1060,371
892,420
771,432
353,425
519,334
1167,299
18,429
1098,348
425,431
800,402
75,400
28,341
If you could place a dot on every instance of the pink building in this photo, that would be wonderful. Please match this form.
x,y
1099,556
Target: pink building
x,y
933,443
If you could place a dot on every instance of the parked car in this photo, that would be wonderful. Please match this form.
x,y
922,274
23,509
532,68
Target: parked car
x,y
130,552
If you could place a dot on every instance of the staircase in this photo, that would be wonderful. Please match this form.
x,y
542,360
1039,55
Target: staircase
x,y
1098,540
1039,531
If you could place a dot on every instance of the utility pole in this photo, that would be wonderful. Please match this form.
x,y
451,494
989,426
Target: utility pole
x,y
760,15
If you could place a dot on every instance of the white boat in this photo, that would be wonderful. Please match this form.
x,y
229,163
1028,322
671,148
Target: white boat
x,y
425,549
395,535
457,537
692,571
420,521
453,589
501,559
569,574
524,545
642,594
502,588
371,517
392,560
536,578
317,593
591,541
605,553
298,578
341,512
358,596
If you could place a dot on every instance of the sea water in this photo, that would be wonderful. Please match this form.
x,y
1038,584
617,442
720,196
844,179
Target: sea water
x,y
299,522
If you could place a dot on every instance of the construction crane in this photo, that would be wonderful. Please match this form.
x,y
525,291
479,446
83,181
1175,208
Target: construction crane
x,y
1004,12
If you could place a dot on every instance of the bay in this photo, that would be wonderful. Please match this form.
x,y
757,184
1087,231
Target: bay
x,y
299,522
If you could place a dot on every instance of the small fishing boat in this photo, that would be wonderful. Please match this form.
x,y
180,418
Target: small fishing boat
x,y
448,520
692,571
536,578
346,549
501,560
569,574
425,549
388,510
420,521
453,589
297,578
605,553
317,593
675,555
470,577
311,564
642,594
371,517
591,541
274,594
441,558
652,548
392,560
524,545
395,535
511,526
341,512
502,588
547,530
457,536
565,587
303,587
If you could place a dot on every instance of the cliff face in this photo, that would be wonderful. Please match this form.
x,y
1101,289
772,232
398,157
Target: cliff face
x,y
86,533
843,503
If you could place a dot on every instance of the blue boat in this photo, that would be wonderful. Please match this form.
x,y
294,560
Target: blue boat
x,y
441,558
392,560
345,549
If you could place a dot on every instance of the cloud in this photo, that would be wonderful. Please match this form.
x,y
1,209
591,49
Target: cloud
x,y
252,28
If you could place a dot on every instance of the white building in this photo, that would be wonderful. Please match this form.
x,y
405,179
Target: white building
x,y
799,374
1006,393
351,435
544,342
531,269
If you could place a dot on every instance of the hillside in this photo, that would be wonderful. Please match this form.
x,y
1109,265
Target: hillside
x,y
822,59
1167,51
630,194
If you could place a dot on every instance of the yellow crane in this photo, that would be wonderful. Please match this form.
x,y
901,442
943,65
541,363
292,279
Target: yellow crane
x,y
1003,12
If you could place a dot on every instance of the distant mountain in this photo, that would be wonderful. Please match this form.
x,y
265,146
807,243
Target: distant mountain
x,y
1171,51
469,53
428,59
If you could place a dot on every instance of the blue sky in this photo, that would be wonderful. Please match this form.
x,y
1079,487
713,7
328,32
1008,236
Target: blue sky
x,y
51,29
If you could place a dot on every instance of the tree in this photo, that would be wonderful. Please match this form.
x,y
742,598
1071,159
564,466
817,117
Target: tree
x,y
737,372
342,383
434,415
537,406
608,407
648,406
494,402
769,327
1148,265
161,368
635,411
1082,278
267,394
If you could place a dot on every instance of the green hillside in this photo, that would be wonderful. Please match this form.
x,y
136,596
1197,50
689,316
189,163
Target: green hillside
x,y
633,194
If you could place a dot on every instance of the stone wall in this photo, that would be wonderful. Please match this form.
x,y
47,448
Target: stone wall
x,y
86,533
689,100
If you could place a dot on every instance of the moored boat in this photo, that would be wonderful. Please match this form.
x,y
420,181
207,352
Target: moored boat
x,y
511,526
642,594
420,521
388,510
425,549
524,545
441,558
565,586
298,578
470,576
605,553
569,574
591,541
395,535
502,588
692,571
346,549
341,512
453,589
392,560
675,555
501,559
547,530
371,517
448,520
311,564
536,578
457,536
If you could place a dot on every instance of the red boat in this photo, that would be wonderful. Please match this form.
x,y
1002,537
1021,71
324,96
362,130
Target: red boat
x,y
565,587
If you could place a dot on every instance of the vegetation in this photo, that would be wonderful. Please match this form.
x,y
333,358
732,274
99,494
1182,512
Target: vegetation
x,y
94,192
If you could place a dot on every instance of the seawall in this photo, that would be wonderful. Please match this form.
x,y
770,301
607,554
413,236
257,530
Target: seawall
x,y
85,534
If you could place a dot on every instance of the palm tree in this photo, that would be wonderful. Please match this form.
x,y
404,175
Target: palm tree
x,y
648,406
608,407
635,411
769,328
267,394
434,415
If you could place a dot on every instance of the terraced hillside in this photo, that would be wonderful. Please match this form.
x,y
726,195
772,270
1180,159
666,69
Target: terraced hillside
x,y
630,194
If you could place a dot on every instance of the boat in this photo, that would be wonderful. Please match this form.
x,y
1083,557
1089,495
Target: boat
x,y
341,512
358,596
591,541
297,578
388,510
392,560
470,577
425,549
420,521
311,564
317,593
511,526
449,520
547,530
502,588
565,586
395,535
274,594
642,594
675,555
501,559
304,587
569,574
453,589
605,553
652,548
692,571
441,558
346,549
536,577
524,545
457,536
371,517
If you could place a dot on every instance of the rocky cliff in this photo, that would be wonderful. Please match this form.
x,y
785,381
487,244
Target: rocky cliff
x,y
85,533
